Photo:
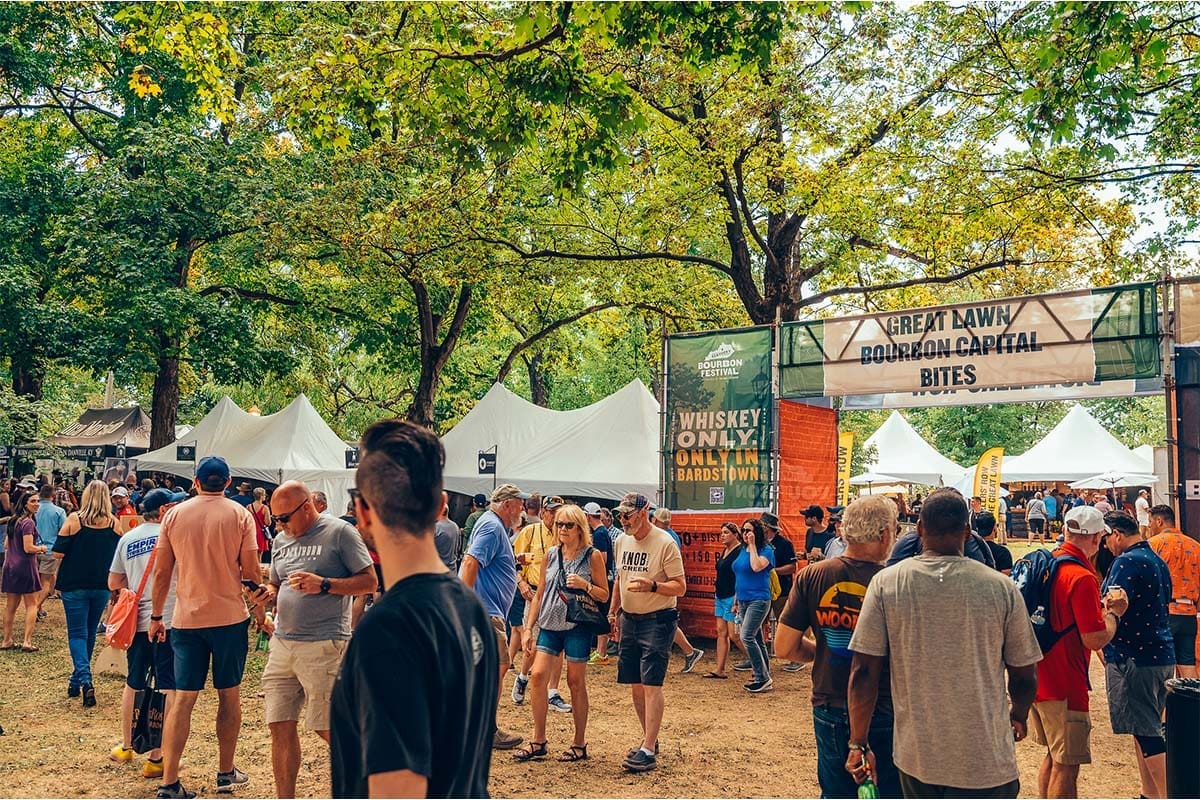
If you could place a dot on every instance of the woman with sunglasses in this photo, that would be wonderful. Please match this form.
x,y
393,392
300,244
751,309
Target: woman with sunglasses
x,y
575,565
752,588
727,631
22,584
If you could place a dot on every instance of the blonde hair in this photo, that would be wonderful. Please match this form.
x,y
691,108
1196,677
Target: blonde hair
x,y
869,519
260,494
95,507
573,513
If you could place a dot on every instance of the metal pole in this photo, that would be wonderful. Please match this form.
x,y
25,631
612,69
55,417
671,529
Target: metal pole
x,y
775,460
664,424
1170,293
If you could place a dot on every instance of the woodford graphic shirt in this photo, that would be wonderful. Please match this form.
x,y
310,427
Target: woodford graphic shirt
x,y
655,557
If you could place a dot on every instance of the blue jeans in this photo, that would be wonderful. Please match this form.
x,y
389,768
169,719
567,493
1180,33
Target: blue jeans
x,y
754,612
83,608
832,727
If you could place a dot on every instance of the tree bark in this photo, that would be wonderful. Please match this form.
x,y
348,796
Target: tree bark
x,y
539,391
434,353
164,409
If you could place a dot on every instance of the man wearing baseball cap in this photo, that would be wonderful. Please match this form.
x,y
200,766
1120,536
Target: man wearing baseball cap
x,y
650,578
1059,719
490,568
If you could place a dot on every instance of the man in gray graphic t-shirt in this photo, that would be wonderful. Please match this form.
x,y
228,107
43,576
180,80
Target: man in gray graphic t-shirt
x,y
318,564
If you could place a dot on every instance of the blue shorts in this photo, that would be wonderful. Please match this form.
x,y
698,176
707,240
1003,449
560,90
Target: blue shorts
x,y
516,612
723,608
577,643
225,645
143,653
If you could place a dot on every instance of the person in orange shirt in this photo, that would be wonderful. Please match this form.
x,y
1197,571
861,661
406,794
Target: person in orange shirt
x,y
1182,555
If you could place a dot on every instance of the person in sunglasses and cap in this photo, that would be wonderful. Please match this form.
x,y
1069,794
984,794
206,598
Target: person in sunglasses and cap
x,y
785,568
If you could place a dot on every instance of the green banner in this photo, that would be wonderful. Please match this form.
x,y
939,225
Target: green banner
x,y
719,420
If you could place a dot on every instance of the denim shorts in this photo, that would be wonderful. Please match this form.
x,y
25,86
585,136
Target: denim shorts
x,y
576,643
516,612
723,608
225,645
646,647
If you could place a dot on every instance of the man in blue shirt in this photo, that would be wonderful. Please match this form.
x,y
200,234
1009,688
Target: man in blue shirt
x,y
49,519
1141,656
602,541
1051,503
490,568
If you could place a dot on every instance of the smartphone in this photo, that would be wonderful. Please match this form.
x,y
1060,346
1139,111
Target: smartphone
x,y
251,586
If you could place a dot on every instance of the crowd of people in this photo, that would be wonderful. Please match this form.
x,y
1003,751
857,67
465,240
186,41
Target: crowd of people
x,y
392,630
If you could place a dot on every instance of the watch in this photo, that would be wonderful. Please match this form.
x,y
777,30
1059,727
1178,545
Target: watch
x,y
864,748
326,585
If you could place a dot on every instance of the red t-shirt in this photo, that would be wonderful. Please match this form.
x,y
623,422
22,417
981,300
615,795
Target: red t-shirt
x,y
1075,597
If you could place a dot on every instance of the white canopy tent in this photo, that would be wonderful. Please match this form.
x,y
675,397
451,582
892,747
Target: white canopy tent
x,y
293,444
1078,447
902,453
603,450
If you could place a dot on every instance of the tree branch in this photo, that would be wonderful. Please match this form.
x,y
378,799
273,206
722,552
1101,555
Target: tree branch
x,y
606,257
529,341
891,250
922,281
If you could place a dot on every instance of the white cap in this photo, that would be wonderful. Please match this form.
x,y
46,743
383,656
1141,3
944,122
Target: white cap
x,y
1084,521
120,491
592,509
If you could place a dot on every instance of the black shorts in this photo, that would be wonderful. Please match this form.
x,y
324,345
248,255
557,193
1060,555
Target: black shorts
x,y
141,654
646,647
225,645
1183,629
1036,525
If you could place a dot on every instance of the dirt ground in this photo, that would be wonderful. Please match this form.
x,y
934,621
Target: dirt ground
x,y
713,731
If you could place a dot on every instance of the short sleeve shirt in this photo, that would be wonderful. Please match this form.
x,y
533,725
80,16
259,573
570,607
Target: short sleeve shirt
x,y
207,535
1074,600
655,557
331,548
534,539
131,559
1143,633
785,553
1142,507
50,519
751,585
496,582
1182,556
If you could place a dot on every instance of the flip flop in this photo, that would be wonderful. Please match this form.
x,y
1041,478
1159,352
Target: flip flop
x,y
716,675
9,647
25,649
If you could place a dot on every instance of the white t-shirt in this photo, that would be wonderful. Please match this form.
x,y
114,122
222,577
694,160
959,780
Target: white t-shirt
x,y
1142,506
130,559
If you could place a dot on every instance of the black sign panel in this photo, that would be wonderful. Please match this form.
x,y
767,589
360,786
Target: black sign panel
x,y
351,458
185,452
487,463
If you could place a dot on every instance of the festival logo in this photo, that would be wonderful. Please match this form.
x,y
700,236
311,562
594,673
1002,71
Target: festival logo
x,y
720,363
837,616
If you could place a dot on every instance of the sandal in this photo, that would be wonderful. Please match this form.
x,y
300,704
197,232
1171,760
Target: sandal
x,y
535,750
577,752
717,675
30,649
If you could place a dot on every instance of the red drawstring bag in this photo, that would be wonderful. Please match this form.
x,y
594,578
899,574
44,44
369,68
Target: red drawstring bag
x,y
123,619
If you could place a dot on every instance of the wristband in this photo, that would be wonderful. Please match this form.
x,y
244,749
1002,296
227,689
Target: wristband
x,y
654,587
156,617
863,748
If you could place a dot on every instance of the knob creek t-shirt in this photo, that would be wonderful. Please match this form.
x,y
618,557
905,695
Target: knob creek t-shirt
x,y
655,557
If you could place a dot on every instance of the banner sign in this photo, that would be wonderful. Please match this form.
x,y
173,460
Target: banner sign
x,y
845,450
487,463
1072,337
719,426
1142,387
987,480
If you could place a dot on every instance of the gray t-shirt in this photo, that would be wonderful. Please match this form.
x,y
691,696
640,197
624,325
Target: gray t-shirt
x,y
948,626
447,537
331,548
131,558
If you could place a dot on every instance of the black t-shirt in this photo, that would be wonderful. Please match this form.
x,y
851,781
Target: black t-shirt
x,y
417,691
1001,554
785,553
725,577
819,539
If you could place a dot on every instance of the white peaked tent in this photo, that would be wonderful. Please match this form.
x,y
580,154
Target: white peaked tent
x,y
902,453
602,450
1146,453
1078,447
292,444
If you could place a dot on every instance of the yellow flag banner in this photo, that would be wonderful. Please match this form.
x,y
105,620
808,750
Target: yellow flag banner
x,y
987,480
845,448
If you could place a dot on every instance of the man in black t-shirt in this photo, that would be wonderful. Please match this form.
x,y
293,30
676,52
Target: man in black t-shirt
x,y
817,535
785,568
985,526
413,710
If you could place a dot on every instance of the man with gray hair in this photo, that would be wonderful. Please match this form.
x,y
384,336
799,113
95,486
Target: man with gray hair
x,y
321,503
827,598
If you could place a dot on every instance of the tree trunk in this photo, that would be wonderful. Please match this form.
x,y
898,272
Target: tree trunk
x,y
421,410
28,379
164,408
434,354
539,392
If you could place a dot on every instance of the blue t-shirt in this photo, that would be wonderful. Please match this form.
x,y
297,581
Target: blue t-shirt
x,y
675,536
910,545
50,519
602,541
496,583
1051,507
1144,632
750,585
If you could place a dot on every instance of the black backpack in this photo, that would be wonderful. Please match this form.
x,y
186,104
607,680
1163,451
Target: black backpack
x,y
1034,575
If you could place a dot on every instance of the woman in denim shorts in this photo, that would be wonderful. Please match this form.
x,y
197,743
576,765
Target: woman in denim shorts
x,y
727,629
572,565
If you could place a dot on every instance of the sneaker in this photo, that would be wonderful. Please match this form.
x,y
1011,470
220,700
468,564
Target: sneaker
x,y
745,666
598,660
558,704
227,780
634,750
613,648
119,753
73,691
519,687
175,790
89,696
640,762
152,769
793,666
758,687
41,616
505,741
690,660
101,629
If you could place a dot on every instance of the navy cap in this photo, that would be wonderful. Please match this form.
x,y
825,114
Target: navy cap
x,y
212,467
157,498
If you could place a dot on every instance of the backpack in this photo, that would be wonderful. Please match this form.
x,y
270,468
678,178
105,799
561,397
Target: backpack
x,y
1034,575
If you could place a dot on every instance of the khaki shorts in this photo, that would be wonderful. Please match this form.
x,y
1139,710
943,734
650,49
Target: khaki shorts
x,y
1065,733
48,564
300,675
501,637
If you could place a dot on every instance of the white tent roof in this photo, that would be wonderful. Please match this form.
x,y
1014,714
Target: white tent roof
x,y
901,452
1146,453
1078,447
293,444
602,450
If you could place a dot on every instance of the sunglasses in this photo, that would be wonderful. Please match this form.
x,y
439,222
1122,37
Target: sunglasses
x,y
565,526
747,530
626,514
285,517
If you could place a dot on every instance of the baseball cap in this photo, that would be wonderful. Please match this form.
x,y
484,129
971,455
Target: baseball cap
x,y
633,502
815,511
507,491
157,498
480,499
592,509
770,520
1085,521
552,502
244,485
120,491
212,467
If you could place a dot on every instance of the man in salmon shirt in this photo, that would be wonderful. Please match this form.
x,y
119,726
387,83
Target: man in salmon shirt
x,y
209,543
1182,555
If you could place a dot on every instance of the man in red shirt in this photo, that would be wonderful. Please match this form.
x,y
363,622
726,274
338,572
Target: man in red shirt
x,y
1059,718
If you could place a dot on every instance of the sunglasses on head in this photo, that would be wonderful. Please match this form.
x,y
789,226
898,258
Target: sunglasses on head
x,y
285,517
